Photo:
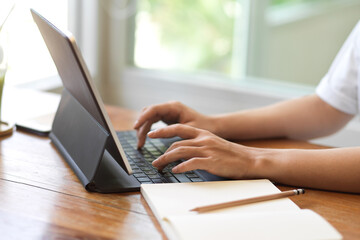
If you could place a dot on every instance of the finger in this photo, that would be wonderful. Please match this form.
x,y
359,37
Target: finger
x,y
183,143
141,134
150,121
176,130
191,164
151,113
177,154
137,122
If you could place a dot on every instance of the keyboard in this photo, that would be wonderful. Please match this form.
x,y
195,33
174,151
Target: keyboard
x,y
140,160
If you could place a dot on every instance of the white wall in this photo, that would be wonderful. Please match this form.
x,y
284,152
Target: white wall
x,y
300,45
219,97
207,94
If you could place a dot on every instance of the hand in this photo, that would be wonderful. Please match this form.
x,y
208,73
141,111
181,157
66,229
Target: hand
x,y
204,150
170,113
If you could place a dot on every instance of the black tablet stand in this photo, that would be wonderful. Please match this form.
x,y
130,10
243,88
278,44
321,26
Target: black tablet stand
x,y
87,148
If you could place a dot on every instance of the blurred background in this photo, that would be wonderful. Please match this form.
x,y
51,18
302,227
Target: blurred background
x,y
216,56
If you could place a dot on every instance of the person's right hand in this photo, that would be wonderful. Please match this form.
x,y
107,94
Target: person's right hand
x,y
170,113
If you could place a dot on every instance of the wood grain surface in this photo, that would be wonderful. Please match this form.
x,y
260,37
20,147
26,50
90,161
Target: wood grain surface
x,y
41,198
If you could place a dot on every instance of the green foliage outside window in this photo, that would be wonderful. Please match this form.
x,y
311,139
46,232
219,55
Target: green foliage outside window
x,y
197,34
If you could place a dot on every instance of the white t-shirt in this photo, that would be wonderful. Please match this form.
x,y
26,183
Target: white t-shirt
x,y
341,85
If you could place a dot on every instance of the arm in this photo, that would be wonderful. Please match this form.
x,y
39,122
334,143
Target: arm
x,y
329,169
302,118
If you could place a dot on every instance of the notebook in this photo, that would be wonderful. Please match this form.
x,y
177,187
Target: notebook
x,y
275,219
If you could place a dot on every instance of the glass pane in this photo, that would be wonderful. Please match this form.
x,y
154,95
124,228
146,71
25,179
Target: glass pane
x,y
186,35
28,57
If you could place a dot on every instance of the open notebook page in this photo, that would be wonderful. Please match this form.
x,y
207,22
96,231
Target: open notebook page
x,y
303,224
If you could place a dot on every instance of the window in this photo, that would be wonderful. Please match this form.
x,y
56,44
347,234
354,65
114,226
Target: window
x,y
28,57
187,35
238,38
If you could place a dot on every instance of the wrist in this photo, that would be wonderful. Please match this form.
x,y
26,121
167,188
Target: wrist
x,y
265,163
216,125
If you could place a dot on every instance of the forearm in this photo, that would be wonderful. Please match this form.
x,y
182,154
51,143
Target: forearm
x,y
329,169
302,118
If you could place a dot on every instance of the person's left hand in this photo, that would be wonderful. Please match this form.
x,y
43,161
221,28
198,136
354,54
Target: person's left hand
x,y
204,150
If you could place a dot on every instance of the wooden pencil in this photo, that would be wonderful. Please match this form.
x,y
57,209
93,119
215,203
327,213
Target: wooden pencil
x,y
240,202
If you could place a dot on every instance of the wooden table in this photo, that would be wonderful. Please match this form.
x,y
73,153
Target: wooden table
x,y
41,198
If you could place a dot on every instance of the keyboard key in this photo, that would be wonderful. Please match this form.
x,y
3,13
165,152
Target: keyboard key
x,y
192,175
145,168
182,177
138,159
151,173
162,148
167,169
153,176
167,174
157,180
137,171
144,179
171,179
149,159
155,152
196,180
134,155
139,175
146,182
151,149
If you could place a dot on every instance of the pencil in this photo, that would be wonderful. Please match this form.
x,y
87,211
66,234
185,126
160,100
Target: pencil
x,y
212,207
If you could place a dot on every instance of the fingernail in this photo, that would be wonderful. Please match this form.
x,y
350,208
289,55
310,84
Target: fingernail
x,y
135,123
155,161
151,132
175,170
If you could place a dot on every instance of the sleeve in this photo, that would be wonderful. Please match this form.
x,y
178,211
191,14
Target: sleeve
x,y
339,87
